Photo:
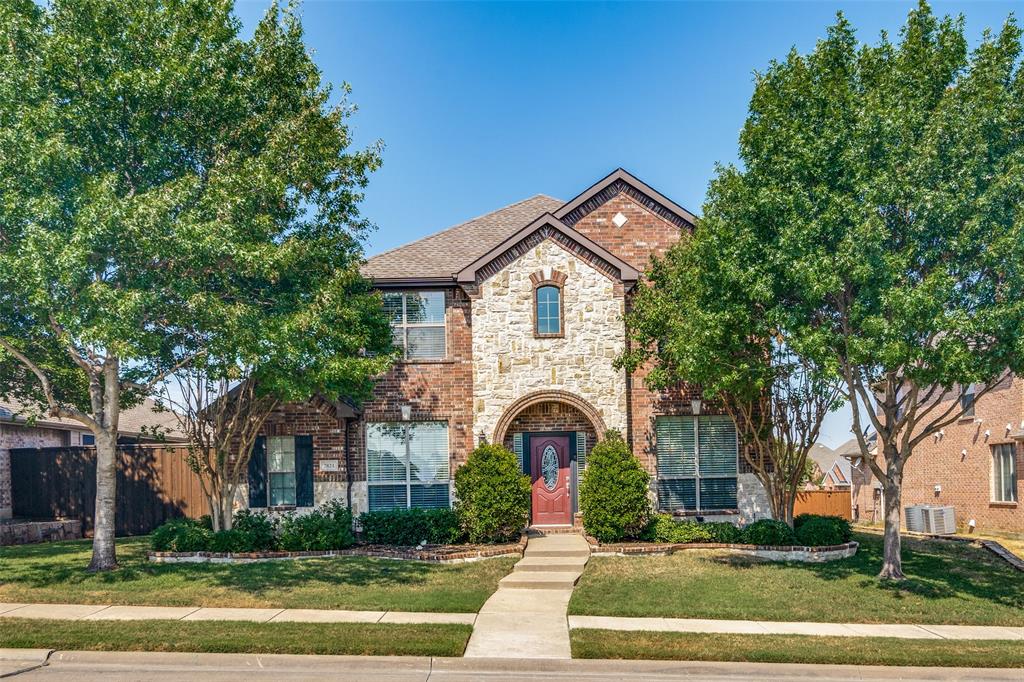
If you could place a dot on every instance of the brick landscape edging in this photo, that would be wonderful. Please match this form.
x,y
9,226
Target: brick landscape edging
x,y
772,552
448,554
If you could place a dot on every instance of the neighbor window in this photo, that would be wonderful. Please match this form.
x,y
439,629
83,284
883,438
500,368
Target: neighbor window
x,y
281,467
417,321
549,310
1004,472
697,463
967,401
407,464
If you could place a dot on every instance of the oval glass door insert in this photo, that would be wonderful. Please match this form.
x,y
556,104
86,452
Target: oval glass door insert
x,y
549,467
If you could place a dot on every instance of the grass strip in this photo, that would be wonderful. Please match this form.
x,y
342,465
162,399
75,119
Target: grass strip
x,y
55,573
361,639
947,583
685,646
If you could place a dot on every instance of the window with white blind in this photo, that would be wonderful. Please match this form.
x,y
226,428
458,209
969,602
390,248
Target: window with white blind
x,y
1004,473
697,463
417,322
407,465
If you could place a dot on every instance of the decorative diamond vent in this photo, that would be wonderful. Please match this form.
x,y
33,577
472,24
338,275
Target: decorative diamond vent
x,y
619,219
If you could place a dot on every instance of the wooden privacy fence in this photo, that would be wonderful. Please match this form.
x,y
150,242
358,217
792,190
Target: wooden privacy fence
x,y
154,483
826,502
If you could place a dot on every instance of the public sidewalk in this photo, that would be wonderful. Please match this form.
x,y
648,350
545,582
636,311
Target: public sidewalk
x,y
101,612
85,666
767,627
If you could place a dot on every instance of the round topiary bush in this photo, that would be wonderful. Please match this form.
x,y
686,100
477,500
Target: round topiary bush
x,y
822,531
768,532
613,494
492,495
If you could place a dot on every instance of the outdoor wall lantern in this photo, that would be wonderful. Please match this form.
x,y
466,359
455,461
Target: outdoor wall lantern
x,y
406,412
695,406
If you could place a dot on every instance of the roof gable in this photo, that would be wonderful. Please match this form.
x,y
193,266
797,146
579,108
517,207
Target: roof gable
x,y
619,181
546,227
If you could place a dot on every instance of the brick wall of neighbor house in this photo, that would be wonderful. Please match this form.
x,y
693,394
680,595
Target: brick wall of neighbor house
x,y
17,436
866,502
439,390
966,480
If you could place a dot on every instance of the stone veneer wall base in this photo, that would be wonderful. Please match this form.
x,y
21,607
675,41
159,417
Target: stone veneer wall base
x,y
772,553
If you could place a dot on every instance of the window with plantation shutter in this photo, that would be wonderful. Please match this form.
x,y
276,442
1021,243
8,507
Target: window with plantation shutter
x,y
697,459
407,465
581,450
517,447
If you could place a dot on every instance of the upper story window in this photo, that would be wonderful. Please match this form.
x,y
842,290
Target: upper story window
x,y
967,401
417,320
549,310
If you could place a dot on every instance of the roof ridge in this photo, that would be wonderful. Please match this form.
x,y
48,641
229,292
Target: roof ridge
x,y
464,222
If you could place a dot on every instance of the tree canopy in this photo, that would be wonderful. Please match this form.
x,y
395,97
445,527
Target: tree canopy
x,y
170,192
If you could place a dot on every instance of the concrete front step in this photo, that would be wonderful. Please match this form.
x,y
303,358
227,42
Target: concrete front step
x,y
539,580
551,564
557,552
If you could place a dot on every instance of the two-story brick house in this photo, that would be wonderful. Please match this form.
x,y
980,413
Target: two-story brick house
x,y
509,325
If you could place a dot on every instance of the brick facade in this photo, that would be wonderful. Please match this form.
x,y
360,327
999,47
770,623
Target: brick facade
x,y
965,478
20,436
499,377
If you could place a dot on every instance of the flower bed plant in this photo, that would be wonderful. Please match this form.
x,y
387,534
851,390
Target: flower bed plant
x,y
812,530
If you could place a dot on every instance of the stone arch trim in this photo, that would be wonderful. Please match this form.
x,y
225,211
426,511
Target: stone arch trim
x,y
546,396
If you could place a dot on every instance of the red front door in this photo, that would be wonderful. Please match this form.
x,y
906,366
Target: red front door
x,y
549,464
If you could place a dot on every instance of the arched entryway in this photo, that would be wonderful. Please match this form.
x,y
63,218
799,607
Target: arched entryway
x,y
551,432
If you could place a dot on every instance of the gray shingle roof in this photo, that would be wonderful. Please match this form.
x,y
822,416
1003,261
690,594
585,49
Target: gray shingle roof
x,y
444,253
133,421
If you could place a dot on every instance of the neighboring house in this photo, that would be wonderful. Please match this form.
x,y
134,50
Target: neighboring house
x,y
509,324
17,430
972,465
865,490
834,470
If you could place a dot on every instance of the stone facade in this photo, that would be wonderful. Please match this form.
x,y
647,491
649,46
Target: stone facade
x,y
510,362
501,374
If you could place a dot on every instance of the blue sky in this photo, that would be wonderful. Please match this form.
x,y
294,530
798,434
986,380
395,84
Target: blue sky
x,y
483,104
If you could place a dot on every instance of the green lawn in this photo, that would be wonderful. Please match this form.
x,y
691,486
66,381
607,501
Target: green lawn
x,y
796,649
949,583
362,639
55,572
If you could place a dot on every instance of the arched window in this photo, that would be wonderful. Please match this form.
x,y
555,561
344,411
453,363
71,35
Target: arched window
x,y
548,310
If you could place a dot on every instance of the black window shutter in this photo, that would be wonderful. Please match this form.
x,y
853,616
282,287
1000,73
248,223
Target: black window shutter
x,y
258,473
303,471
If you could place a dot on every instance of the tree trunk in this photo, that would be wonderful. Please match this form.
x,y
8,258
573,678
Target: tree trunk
x,y
104,557
892,562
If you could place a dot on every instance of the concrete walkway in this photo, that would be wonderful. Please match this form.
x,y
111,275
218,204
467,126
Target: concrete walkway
x,y
526,616
101,612
759,627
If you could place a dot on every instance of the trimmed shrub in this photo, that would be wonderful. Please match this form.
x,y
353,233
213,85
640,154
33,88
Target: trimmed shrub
x,y
258,530
663,528
724,532
492,495
768,532
162,539
409,527
229,541
821,531
327,527
613,494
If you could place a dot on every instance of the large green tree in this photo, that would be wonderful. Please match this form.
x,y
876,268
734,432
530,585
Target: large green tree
x,y
164,183
881,198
